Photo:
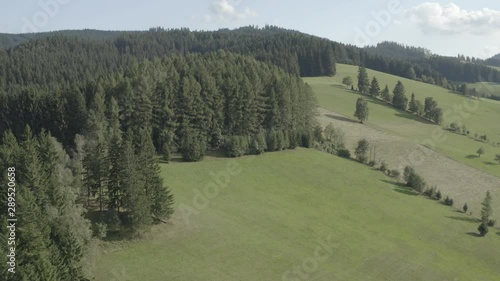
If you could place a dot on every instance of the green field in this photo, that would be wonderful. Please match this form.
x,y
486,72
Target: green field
x,y
480,117
486,88
279,207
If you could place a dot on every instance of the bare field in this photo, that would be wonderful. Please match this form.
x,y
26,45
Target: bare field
x,y
461,182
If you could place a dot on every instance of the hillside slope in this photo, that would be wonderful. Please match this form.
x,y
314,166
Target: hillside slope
x,y
480,117
279,207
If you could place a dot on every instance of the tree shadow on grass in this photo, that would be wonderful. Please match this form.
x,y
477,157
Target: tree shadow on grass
x,y
341,118
465,219
413,117
473,234
498,233
489,163
401,188
471,156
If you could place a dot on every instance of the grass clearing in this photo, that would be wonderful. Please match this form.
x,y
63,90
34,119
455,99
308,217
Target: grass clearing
x,y
272,216
332,95
486,87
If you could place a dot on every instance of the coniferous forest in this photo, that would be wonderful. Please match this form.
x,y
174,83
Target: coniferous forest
x,y
85,123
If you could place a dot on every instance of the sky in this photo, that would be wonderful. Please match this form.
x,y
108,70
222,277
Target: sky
x,y
448,28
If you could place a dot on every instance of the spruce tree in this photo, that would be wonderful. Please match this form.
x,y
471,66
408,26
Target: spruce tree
x,y
399,100
413,104
486,210
374,87
135,201
363,80
385,94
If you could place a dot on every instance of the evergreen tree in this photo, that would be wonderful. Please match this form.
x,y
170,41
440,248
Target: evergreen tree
x,y
399,100
486,210
374,88
413,104
385,94
135,200
361,110
363,80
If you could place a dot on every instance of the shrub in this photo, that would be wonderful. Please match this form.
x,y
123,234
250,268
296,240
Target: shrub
x,y
318,133
326,146
431,192
344,153
193,147
439,195
417,183
483,229
236,146
492,222
394,174
448,201
465,208
383,167
372,163
100,230
409,171
258,144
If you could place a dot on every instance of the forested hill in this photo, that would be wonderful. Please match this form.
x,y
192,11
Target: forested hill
x,y
295,52
12,40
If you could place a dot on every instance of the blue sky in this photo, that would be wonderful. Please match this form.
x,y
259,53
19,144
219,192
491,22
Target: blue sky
x,y
447,28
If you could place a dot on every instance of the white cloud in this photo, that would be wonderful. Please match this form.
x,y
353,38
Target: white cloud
x,y
451,19
227,10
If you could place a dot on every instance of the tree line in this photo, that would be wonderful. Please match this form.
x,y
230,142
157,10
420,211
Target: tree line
x,y
428,110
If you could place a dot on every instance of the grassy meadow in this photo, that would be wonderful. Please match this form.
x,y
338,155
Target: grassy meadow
x,y
269,220
480,117
486,87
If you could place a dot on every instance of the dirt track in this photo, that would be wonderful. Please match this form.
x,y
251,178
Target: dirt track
x,y
461,182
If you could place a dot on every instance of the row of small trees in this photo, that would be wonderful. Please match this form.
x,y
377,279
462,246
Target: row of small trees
x,y
428,110
272,140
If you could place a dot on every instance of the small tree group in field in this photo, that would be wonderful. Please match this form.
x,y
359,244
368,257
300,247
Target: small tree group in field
x,y
398,99
330,140
414,180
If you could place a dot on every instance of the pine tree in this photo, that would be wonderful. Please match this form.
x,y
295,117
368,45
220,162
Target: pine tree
x,y
374,88
385,94
486,210
399,100
363,80
413,104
